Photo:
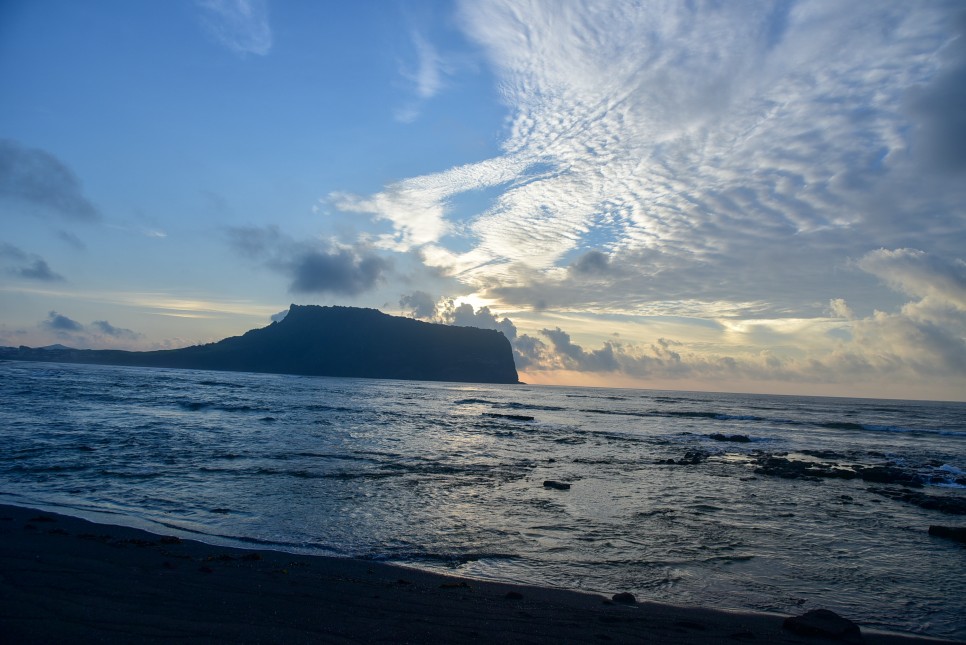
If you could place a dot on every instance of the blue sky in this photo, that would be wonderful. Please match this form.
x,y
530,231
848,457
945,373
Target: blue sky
x,y
730,196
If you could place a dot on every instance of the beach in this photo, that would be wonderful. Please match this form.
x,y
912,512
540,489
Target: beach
x,y
67,579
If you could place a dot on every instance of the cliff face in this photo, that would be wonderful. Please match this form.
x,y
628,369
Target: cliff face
x,y
331,341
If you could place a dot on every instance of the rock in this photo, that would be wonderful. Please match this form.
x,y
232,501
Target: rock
x,y
556,485
825,624
512,417
513,595
738,438
957,533
888,475
624,598
942,503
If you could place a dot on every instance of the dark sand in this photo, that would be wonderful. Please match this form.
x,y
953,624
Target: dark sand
x,y
64,579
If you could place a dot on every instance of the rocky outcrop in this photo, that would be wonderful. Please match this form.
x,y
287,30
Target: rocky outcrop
x,y
329,341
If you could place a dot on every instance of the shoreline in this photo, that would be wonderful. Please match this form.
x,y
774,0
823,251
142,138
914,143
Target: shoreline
x,y
65,578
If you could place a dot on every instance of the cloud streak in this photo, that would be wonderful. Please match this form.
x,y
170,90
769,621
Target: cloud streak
x,y
240,25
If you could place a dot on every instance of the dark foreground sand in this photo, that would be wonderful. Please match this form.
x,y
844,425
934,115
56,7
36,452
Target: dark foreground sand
x,y
64,579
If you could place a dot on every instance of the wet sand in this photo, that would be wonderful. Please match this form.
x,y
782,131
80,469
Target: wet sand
x,y
64,579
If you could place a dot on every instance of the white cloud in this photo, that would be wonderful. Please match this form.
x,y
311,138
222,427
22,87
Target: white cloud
x,y
240,25
718,160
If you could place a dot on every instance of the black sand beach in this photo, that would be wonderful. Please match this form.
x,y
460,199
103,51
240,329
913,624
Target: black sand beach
x,y
65,579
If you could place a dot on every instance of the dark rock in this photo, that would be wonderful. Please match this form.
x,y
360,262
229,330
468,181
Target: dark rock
x,y
888,475
738,438
824,624
957,533
691,458
512,417
795,469
942,503
556,485
513,595
624,598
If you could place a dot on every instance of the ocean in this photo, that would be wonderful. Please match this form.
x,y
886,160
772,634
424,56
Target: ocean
x,y
750,502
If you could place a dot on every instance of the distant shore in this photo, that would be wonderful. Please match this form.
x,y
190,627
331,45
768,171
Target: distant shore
x,y
65,579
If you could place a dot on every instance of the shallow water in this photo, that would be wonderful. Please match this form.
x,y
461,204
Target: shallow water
x,y
450,476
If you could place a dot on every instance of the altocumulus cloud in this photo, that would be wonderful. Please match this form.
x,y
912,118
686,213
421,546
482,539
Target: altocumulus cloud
x,y
718,152
39,181
313,266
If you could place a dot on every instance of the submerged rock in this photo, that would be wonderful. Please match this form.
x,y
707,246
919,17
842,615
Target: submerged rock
x,y
511,417
550,483
737,438
941,503
957,533
824,624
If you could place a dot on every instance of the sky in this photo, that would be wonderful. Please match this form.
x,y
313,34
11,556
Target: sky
x,y
726,196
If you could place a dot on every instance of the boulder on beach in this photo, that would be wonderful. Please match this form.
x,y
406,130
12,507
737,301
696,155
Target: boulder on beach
x,y
824,623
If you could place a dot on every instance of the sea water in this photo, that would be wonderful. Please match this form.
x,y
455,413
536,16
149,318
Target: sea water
x,y
450,477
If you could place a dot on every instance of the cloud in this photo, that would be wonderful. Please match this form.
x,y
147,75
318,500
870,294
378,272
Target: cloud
x,y
918,274
575,357
40,181
419,304
240,25
31,266
939,106
722,151
71,240
338,270
61,324
39,270
319,267
426,79
463,315
108,329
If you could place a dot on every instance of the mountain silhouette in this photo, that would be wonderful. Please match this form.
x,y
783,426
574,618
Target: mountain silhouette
x,y
328,341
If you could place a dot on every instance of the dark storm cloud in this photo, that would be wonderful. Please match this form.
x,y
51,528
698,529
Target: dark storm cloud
x,y
62,324
30,266
108,329
39,179
312,266
337,270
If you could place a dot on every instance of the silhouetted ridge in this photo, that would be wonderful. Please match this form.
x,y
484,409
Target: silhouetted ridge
x,y
329,341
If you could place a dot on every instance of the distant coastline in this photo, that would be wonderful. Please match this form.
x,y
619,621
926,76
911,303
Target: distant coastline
x,y
326,341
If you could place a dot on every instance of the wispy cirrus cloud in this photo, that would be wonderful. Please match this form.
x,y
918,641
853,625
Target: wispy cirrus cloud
x,y
425,77
240,25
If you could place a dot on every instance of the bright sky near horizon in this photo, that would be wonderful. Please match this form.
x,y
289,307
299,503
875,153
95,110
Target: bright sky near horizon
x,y
738,196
